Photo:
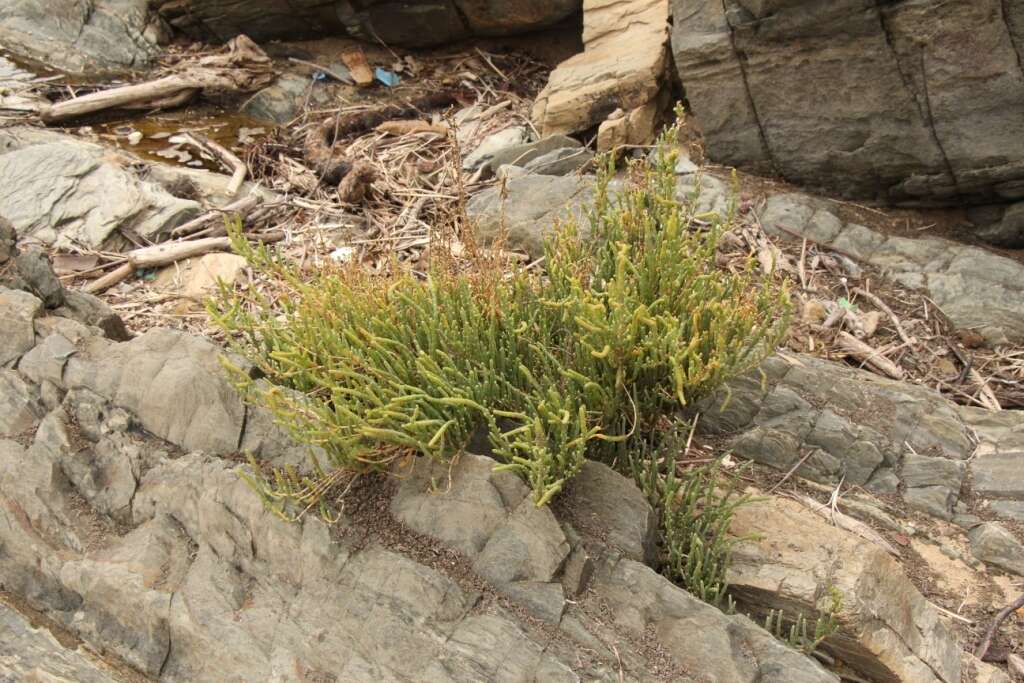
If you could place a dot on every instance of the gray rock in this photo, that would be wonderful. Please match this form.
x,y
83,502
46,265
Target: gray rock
x,y
560,161
8,240
489,517
1009,231
64,34
954,275
694,635
871,427
527,214
171,382
611,512
523,154
529,546
493,145
280,102
463,511
67,194
93,312
994,545
126,591
18,311
106,475
508,172
684,166
20,407
920,470
34,268
31,653
937,501
431,22
1012,510
910,136
999,475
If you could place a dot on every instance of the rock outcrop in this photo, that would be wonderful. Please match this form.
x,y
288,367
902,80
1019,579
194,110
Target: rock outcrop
x,y
69,193
975,288
616,82
426,22
794,559
831,422
100,35
913,102
124,520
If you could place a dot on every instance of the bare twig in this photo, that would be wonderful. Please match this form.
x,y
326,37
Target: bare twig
x,y
881,305
986,642
869,355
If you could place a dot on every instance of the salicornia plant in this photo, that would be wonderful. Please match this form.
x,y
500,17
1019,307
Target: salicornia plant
x,y
630,320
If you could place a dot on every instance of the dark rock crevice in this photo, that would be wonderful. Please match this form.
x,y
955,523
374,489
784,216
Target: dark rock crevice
x,y
1006,13
920,96
741,60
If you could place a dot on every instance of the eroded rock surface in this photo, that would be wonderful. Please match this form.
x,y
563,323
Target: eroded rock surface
x,y
81,36
117,527
887,629
72,194
976,288
838,422
620,71
922,101
429,22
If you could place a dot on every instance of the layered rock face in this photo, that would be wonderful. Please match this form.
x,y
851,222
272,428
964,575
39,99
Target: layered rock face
x,y
425,22
616,82
916,101
81,36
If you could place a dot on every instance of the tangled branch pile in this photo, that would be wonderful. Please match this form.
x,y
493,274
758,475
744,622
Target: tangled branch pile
x,y
631,320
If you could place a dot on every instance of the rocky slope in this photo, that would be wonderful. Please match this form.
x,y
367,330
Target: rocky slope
x,y
131,548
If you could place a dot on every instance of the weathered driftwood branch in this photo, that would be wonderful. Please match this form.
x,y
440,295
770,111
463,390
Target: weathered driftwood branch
x,y
241,208
243,67
868,355
881,305
238,168
167,253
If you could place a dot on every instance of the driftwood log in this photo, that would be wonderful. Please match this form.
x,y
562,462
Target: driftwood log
x,y
168,253
329,159
241,67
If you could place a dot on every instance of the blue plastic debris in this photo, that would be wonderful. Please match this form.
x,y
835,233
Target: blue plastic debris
x,y
388,78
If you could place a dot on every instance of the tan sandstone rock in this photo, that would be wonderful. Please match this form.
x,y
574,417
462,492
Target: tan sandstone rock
x,y
621,67
887,631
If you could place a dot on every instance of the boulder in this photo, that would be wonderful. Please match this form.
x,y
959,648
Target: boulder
x,y
489,517
765,78
522,155
104,35
622,68
1008,232
427,22
30,652
954,275
846,423
561,161
791,559
994,545
496,145
525,211
18,311
73,194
